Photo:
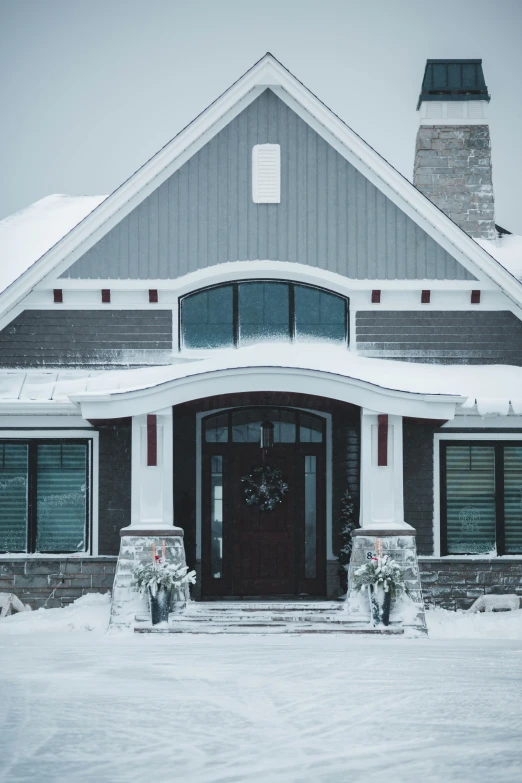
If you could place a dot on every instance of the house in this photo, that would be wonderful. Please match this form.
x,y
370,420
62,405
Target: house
x,y
267,291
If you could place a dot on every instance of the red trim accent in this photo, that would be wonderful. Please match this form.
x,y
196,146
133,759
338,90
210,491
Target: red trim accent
x,y
376,297
106,295
382,440
153,295
152,440
475,297
425,297
58,295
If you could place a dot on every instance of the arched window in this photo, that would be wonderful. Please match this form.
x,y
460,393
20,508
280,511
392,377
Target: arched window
x,y
242,313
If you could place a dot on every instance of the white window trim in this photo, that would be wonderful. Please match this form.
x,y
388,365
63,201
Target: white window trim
x,y
81,435
456,436
328,420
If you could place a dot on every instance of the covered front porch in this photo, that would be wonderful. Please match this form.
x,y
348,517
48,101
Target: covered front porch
x,y
196,438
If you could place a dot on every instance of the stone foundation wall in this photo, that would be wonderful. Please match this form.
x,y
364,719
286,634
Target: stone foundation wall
x,y
455,584
56,583
451,584
453,169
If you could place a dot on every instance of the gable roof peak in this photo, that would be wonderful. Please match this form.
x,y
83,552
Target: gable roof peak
x,y
268,71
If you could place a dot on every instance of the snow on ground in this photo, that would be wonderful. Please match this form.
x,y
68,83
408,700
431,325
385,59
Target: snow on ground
x,y
88,707
31,232
91,613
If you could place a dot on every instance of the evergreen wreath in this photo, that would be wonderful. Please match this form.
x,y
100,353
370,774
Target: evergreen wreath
x,y
264,487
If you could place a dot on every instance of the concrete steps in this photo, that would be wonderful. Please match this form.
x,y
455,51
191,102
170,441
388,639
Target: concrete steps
x,y
256,617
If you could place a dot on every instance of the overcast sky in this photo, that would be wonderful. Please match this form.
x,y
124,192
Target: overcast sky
x,y
90,89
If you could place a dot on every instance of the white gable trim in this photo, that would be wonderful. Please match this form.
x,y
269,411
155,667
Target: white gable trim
x,y
268,72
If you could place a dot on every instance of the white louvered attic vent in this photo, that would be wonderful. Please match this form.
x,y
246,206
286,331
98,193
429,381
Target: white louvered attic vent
x,y
266,174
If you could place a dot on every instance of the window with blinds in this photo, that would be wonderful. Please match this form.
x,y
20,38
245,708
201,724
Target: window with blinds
x,y
13,497
481,498
44,496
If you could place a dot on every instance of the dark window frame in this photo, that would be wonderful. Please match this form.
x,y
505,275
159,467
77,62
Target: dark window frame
x,y
291,309
498,446
32,468
230,442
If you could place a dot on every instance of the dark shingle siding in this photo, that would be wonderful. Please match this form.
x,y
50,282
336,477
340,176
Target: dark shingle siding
x,y
72,338
418,481
445,337
114,508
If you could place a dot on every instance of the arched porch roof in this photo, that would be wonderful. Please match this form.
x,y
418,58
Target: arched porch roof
x,y
323,371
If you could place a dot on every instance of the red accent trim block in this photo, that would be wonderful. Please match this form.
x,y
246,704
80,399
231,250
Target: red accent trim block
x,y
106,295
58,295
376,297
152,440
382,440
153,295
475,297
425,297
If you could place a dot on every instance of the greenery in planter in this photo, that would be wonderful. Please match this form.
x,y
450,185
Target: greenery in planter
x,y
160,573
381,572
349,523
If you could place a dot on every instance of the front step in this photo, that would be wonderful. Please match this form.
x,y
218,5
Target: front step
x,y
269,629
285,617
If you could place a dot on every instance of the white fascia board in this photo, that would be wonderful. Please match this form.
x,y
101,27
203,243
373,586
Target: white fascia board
x,y
39,408
268,72
257,269
14,420
248,379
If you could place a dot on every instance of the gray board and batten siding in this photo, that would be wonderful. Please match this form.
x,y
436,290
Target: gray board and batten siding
x,y
87,338
441,337
330,215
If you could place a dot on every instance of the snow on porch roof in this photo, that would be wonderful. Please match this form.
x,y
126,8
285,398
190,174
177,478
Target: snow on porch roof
x,y
490,389
325,370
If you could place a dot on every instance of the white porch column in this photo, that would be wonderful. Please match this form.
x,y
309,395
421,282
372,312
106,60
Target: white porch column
x,y
382,493
152,501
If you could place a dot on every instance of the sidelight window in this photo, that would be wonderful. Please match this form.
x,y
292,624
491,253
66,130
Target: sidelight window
x,y
243,313
44,497
216,511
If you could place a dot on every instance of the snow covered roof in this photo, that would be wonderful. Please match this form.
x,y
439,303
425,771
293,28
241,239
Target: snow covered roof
x,y
31,232
313,369
507,250
42,385
409,377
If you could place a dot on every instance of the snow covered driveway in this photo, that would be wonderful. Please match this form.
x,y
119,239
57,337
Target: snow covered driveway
x,y
78,707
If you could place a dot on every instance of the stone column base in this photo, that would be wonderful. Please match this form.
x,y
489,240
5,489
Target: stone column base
x,y
136,547
406,611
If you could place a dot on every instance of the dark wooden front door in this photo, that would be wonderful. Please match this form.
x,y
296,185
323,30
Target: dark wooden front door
x,y
248,552
264,541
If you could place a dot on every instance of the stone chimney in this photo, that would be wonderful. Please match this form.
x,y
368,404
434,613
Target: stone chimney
x,y
453,150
